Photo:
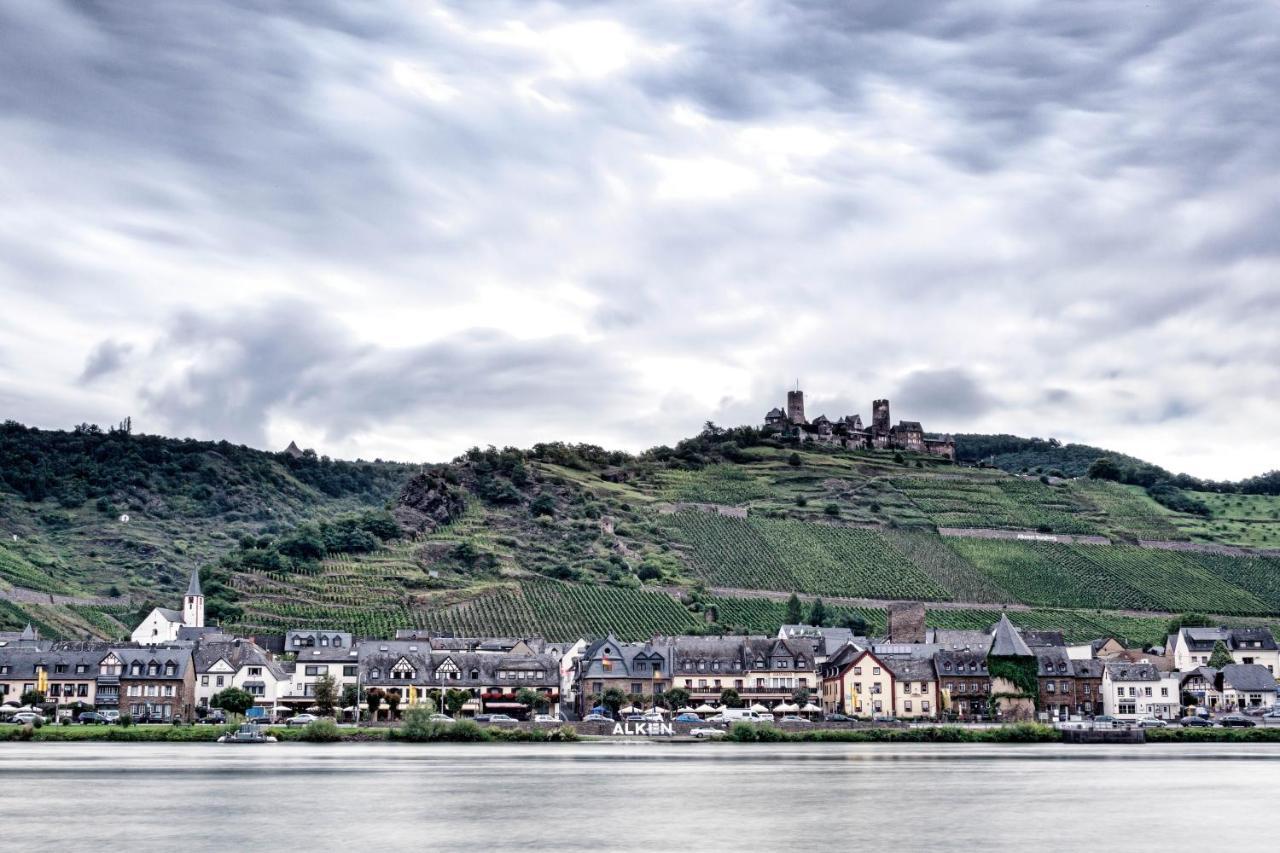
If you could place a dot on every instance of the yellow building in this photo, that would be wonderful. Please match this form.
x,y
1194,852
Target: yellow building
x,y
857,683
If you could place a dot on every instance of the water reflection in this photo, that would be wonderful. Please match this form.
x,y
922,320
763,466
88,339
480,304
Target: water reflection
x,y
637,796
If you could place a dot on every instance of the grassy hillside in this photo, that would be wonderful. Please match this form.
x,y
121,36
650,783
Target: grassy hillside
x,y
566,540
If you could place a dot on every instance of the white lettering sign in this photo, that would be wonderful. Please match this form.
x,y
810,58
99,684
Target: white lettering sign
x,y
1034,537
643,729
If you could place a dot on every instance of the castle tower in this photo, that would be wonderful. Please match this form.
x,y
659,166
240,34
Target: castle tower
x,y
193,603
795,406
880,417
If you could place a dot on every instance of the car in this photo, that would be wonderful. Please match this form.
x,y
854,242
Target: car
x,y
27,718
792,719
111,716
1255,711
839,718
1236,721
1273,714
634,718
1195,723
718,718
1151,723
300,720
1105,721
654,717
546,718
502,720
87,718
706,732
440,718
214,718
688,718
597,718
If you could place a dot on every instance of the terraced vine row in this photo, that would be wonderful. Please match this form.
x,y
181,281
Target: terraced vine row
x,y
715,484
1003,503
760,553
1109,577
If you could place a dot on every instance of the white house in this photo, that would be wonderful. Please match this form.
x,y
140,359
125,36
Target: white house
x,y
1131,691
312,664
1247,686
242,664
161,625
1192,647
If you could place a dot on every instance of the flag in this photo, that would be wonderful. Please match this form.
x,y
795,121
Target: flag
x,y
42,681
413,695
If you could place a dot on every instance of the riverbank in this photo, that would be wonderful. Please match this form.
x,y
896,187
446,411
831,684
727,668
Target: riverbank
x,y
468,732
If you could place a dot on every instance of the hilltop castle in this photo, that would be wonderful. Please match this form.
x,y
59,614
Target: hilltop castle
x,y
850,432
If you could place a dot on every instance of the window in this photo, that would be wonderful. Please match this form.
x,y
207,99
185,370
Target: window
x,y
924,705
1049,687
637,687
60,668
875,670
204,681
4,670
337,642
153,668
136,668
255,671
350,672
319,669
82,690
222,679
1164,691
906,706
324,641
857,670
1146,691
949,687
373,673
168,690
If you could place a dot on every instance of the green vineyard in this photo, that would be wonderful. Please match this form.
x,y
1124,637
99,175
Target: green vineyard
x,y
759,553
997,503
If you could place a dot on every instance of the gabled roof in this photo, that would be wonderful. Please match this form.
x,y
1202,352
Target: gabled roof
x,y
910,668
1249,677
1006,641
1053,661
1132,671
1088,668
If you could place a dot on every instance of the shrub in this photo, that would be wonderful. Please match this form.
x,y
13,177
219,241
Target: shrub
x,y
125,720
831,509
321,731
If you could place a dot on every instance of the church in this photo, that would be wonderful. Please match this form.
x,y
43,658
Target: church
x,y
164,625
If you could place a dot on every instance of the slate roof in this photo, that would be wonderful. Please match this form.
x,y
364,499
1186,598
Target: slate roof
x,y
910,668
1091,668
1132,671
622,657
1053,661
1006,641
238,654
193,585
1039,639
22,662
1203,639
169,613
540,670
1250,677
951,638
181,657
969,663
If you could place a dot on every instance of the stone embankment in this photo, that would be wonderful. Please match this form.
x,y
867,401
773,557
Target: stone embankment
x,y
21,595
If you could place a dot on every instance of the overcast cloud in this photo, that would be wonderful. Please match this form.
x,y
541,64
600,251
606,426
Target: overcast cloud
x,y
401,228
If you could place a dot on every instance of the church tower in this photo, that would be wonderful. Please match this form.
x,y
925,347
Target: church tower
x,y
193,603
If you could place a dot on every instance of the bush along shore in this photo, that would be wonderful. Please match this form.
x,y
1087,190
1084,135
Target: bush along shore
x,y
417,727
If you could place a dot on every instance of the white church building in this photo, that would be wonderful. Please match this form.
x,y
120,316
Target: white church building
x,y
162,624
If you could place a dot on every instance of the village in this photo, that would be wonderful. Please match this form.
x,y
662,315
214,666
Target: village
x,y
178,670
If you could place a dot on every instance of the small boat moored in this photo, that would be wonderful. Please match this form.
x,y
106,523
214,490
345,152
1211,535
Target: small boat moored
x,y
247,733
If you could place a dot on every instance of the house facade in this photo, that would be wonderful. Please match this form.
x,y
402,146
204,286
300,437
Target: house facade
x,y
1192,647
1132,691
964,682
158,682
761,670
242,664
858,683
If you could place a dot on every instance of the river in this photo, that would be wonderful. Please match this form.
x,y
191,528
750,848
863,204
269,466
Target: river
x,y
371,798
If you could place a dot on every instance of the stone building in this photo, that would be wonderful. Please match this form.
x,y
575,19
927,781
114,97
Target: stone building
x,y
850,432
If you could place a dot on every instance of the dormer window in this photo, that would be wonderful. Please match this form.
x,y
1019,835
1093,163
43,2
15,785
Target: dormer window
x,y
337,642
153,668
170,669
475,675
324,641
375,673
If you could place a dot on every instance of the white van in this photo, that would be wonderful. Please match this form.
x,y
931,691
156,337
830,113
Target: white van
x,y
745,715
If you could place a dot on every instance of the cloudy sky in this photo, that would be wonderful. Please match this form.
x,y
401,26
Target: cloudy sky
x,y
402,228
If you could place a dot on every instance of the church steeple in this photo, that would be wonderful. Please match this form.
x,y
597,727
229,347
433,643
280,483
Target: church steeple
x,y
193,603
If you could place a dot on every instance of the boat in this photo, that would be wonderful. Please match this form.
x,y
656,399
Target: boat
x,y
247,733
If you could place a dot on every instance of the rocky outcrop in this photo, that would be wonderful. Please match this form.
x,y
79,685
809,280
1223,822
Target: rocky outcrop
x,y
428,501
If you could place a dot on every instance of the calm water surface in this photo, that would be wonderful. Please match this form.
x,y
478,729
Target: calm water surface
x,y
644,796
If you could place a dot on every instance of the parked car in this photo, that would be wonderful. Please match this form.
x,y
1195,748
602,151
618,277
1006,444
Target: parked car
x,y
440,718
1105,721
1236,721
654,717
634,718
300,720
214,718
1255,711
111,716
546,718
792,719
1151,723
92,718
706,732
496,719
688,718
27,718
597,718
839,718
1273,714
1195,723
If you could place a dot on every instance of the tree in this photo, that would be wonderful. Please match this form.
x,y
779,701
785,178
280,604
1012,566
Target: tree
x,y
613,699
1105,468
373,698
676,697
855,623
800,695
1220,657
326,694
350,696
818,613
793,615
543,504
393,703
454,699
831,509
1188,620
730,698
32,697
794,460
534,700
233,700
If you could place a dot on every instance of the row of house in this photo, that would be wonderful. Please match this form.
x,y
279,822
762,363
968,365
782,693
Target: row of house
x,y
174,669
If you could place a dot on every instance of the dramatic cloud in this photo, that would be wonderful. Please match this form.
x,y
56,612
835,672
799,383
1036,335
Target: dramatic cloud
x,y
400,229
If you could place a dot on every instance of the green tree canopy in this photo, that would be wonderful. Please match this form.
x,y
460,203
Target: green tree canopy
x,y
326,694
233,700
613,699
730,698
818,613
794,613
1220,656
